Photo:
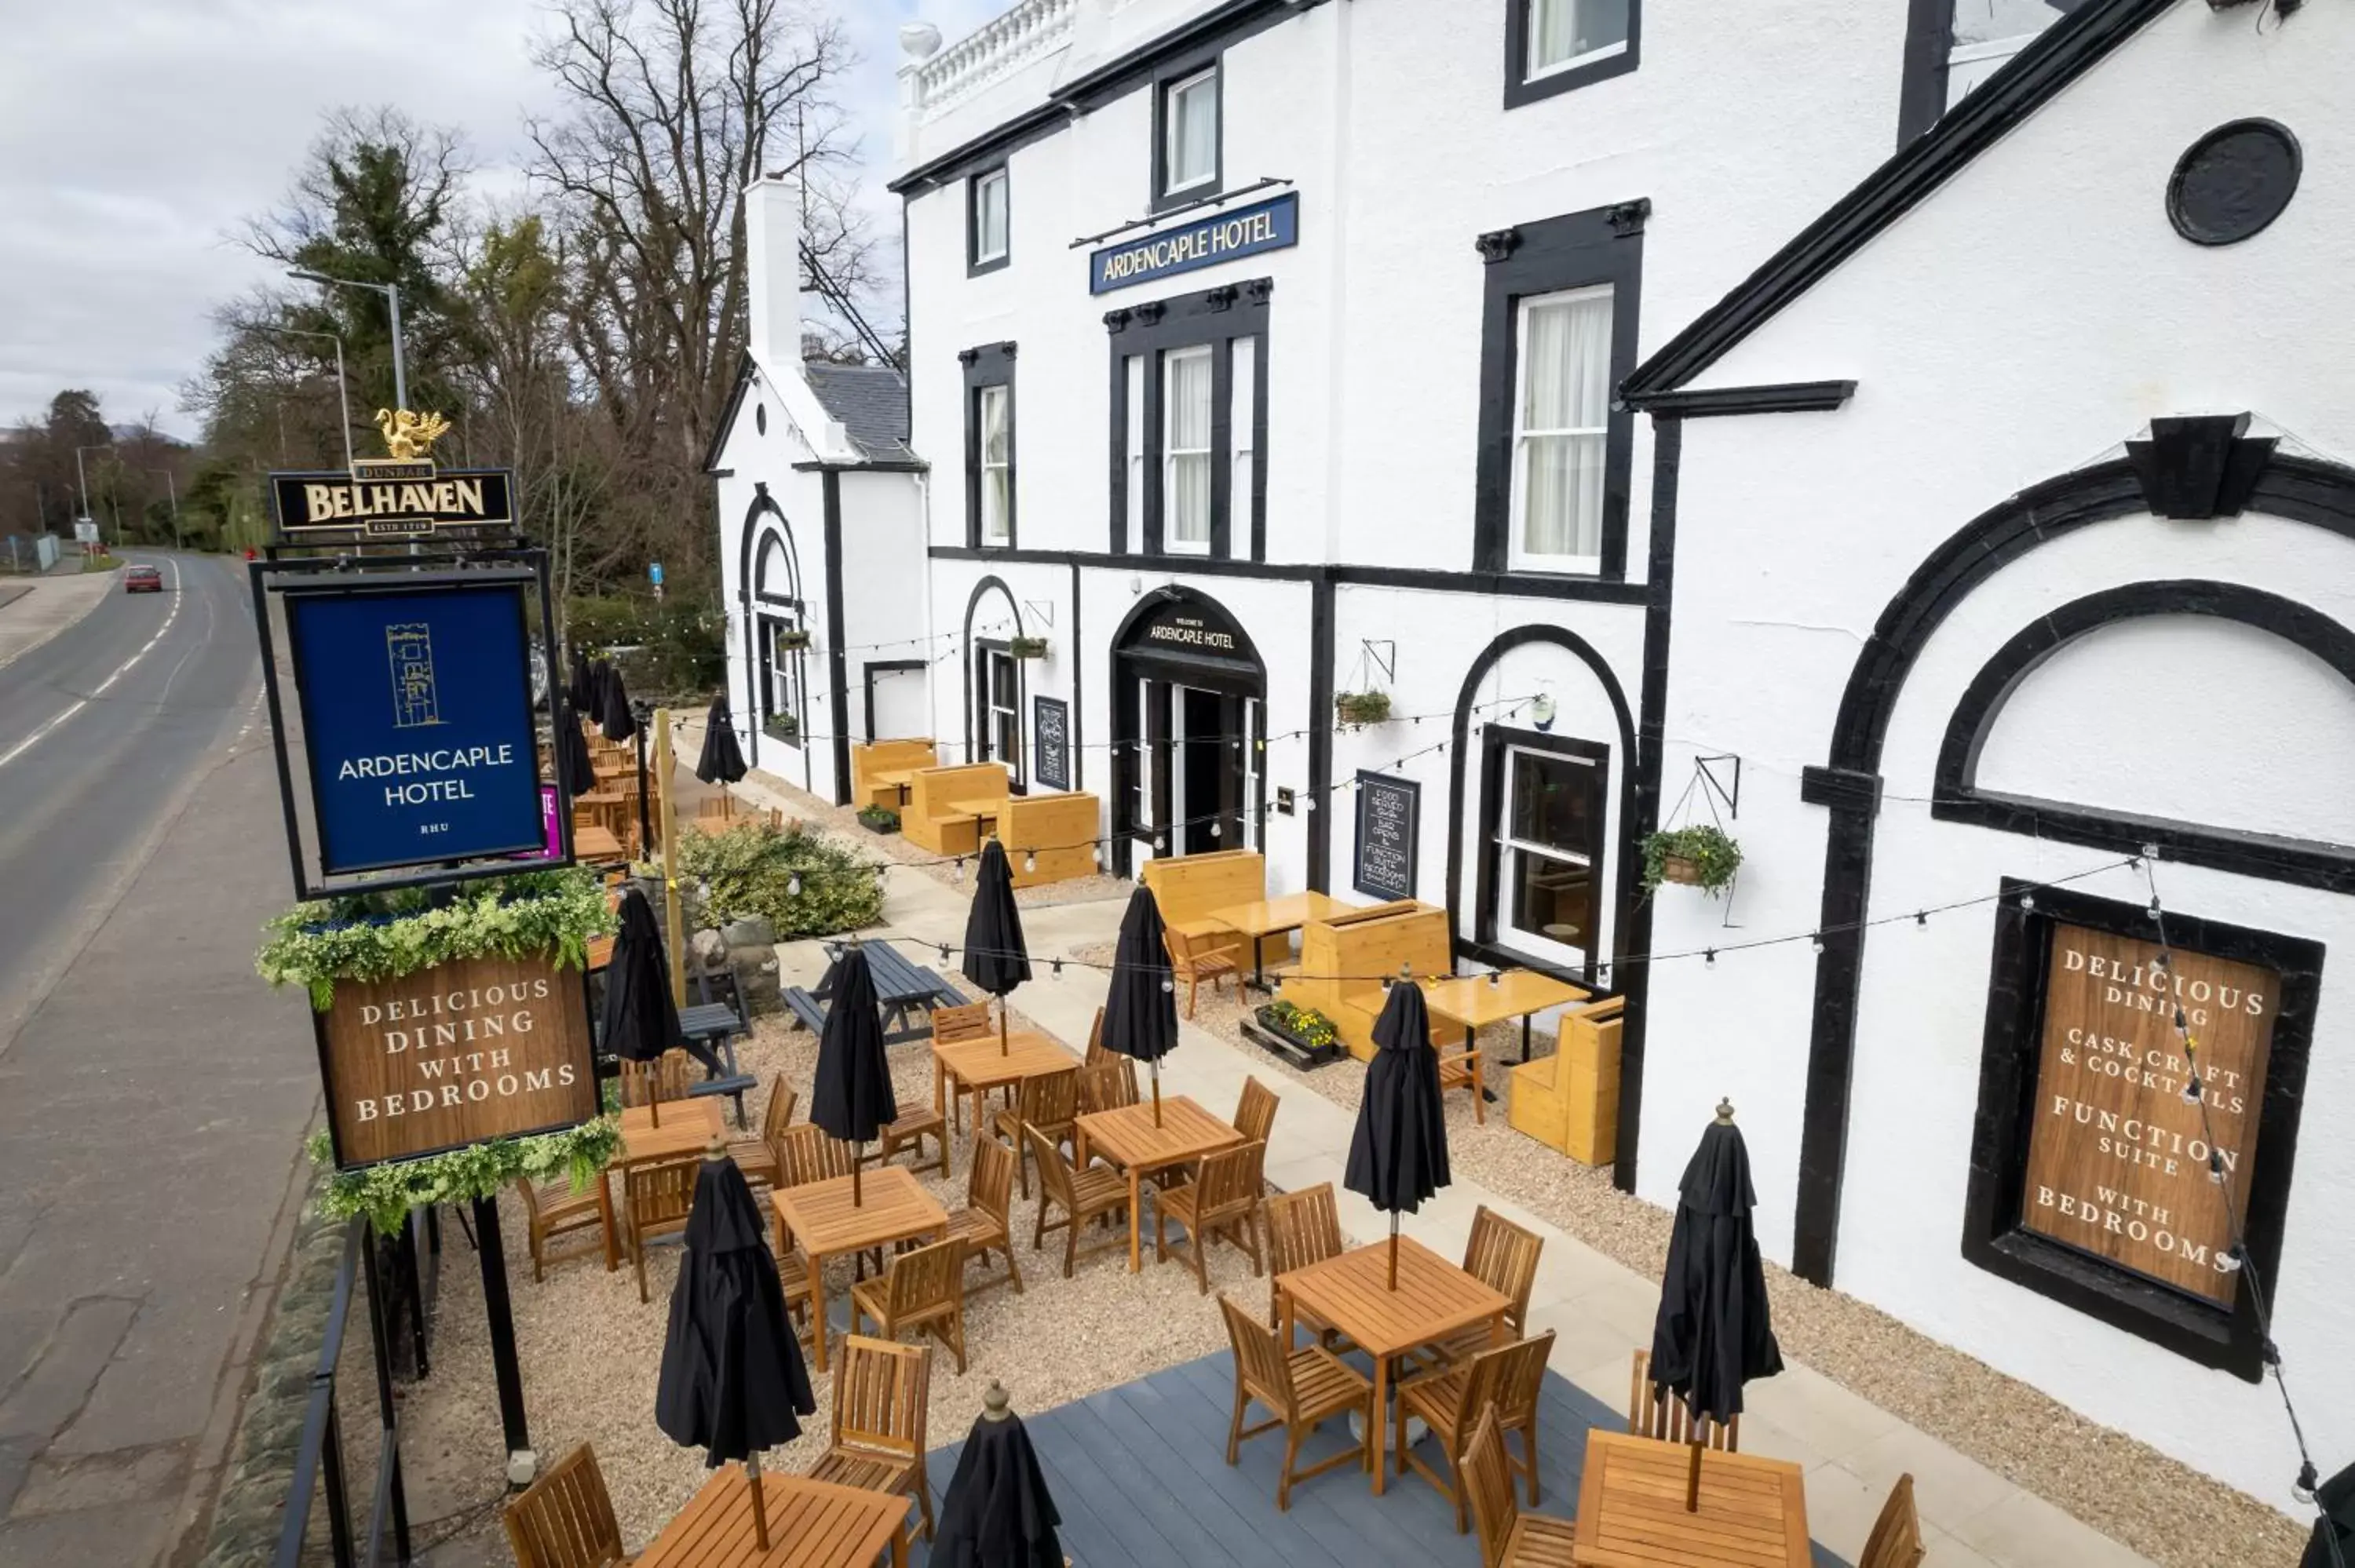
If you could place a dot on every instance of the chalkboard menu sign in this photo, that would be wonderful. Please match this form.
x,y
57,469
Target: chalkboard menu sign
x,y
1051,731
1390,815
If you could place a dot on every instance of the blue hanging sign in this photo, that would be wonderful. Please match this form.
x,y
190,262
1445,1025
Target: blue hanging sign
x,y
1204,242
416,722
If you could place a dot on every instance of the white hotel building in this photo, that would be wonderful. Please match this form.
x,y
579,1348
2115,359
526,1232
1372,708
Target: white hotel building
x,y
1664,405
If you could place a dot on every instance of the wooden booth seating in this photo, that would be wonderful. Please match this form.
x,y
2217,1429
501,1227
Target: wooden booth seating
x,y
1570,1100
935,817
1194,887
885,756
1366,942
1058,830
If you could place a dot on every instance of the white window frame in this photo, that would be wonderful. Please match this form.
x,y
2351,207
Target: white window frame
x,y
982,185
1002,709
1170,452
996,505
1570,62
1519,555
1536,944
1170,94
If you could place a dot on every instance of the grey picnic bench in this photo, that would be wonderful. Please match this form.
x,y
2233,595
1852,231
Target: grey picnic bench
x,y
906,993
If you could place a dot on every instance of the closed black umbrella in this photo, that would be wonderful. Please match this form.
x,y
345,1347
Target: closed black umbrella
x,y
722,761
641,1020
572,758
1714,1332
614,717
576,684
1398,1155
1141,1010
995,957
997,1512
732,1378
852,1098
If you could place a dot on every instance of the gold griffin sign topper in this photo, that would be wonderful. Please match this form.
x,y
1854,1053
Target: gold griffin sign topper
x,y
409,435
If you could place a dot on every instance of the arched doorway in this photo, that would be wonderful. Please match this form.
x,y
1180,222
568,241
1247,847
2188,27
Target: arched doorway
x,y
1189,717
995,685
776,637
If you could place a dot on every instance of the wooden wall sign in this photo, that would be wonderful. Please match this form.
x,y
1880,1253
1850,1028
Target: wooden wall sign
x,y
2118,1159
480,1048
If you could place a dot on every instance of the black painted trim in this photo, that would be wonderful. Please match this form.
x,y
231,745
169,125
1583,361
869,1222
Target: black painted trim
x,y
1579,249
745,372
2057,56
867,679
887,465
1320,736
1496,741
1993,1237
837,663
1152,330
992,147
991,365
1495,585
1519,90
1929,51
1785,397
1079,691
973,264
967,647
1957,797
1166,76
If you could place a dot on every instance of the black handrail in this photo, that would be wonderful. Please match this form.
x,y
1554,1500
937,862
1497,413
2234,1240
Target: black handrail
x,y
322,1444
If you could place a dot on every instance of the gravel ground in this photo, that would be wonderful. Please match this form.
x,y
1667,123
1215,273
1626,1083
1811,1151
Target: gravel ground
x,y
2125,1489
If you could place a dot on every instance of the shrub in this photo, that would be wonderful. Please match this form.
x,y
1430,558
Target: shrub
x,y
879,818
753,869
1305,1024
675,651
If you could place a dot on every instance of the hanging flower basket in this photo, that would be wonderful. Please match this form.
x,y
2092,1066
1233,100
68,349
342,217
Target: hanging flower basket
x,y
784,727
791,641
1027,646
1362,707
1702,858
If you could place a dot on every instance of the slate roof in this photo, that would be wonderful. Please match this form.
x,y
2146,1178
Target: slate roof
x,y
871,401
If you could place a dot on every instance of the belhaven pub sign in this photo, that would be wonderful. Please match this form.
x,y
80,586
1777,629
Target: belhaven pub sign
x,y
403,496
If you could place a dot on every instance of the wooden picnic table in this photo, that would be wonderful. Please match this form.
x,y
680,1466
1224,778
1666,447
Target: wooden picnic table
x,y
1631,1507
811,1524
1186,1133
976,1066
1266,917
897,779
594,840
905,995
1472,1001
893,1207
688,1127
1434,1301
983,809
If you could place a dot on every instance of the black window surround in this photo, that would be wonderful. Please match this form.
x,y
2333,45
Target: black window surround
x,y
1497,742
1152,331
1185,67
1519,87
991,365
974,264
1580,250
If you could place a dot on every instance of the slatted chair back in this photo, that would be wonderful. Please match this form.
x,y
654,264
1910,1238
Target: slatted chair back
x,y
1051,1102
809,1155
1108,1085
1260,1365
779,1115
1228,1184
1489,1481
1054,1171
667,1077
1520,1378
1503,1256
536,1217
1653,1413
1255,1113
1303,1227
1096,1051
881,1389
565,1519
969,1020
659,1193
989,1183
1896,1538
926,1280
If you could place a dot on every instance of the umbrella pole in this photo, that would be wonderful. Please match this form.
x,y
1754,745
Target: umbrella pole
x,y
760,1503
1692,1481
857,1161
1393,1249
1156,1091
1005,1046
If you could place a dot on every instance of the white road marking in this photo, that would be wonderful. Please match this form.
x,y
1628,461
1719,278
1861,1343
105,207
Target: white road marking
x,y
121,670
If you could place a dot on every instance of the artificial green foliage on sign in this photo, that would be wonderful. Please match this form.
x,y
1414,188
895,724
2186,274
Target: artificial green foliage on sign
x,y
752,867
385,1193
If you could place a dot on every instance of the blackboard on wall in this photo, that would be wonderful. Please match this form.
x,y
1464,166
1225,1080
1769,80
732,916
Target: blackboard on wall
x,y
1389,817
1051,735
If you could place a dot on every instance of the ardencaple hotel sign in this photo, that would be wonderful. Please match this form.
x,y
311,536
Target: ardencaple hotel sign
x,y
2118,1159
1222,237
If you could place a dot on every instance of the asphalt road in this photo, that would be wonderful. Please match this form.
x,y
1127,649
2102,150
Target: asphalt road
x,y
153,1091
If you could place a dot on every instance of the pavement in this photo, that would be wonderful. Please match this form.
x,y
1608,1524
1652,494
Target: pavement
x,y
153,1091
35,609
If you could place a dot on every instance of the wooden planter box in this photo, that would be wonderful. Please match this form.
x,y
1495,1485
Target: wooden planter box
x,y
1265,1029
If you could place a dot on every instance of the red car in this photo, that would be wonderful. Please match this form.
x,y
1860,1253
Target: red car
x,y
142,579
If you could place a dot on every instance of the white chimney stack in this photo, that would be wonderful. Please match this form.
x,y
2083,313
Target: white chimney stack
x,y
772,270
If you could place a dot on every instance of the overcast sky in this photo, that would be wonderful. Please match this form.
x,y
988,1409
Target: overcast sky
x,y
134,134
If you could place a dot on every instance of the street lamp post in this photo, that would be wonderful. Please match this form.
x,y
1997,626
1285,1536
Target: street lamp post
x,y
342,388
172,489
391,292
81,478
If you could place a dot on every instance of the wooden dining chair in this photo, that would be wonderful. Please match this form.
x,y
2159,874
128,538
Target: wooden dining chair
x,y
877,1441
987,1220
1109,1084
565,1519
967,1020
557,1210
1303,1227
656,1196
1460,1069
1896,1538
1300,1390
1655,1412
1507,1379
1194,961
667,1077
810,1153
1095,1194
914,1125
1508,1537
1503,1256
763,1159
1047,1104
922,1289
1255,1111
1224,1202
1096,1051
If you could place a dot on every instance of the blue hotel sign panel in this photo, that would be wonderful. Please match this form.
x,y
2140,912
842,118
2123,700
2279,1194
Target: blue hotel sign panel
x,y
1222,237
417,719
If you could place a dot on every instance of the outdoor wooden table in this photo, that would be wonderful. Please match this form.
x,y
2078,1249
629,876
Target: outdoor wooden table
x,y
811,1524
984,810
1434,1299
977,1067
1266,917
1186,1133
898,779
893,1207
596,841
1472,1001
1631,1507
688,1127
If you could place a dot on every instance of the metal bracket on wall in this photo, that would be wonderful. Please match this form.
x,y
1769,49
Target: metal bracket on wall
x,y
1043,609
1721,776
1381,654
